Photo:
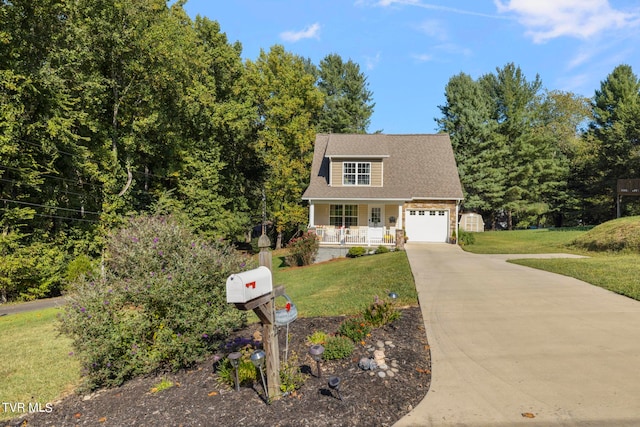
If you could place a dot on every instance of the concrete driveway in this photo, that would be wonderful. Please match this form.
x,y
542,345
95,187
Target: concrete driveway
x,y
511,345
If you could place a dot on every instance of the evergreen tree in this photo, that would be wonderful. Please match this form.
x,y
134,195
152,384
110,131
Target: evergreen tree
x,y
509,164
615,130
348,104
466,118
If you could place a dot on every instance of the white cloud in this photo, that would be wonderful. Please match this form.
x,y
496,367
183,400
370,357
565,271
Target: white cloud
x,y
312,31
454,49
442,53
435,29
574,83
582,57
419,3
549,19
383,3
422,57
371,62
390,2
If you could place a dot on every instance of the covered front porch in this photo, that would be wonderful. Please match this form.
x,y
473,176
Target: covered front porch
x,y
356,236
356,223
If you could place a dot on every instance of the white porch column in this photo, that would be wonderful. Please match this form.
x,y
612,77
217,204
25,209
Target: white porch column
x,y
399,220
457,225
312,219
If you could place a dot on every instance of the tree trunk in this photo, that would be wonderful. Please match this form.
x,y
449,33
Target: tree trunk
x,y
279,240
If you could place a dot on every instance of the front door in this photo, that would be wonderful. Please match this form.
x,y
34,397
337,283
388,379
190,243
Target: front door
x,y
376,215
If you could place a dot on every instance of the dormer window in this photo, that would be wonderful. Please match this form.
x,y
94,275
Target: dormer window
x,y
356,173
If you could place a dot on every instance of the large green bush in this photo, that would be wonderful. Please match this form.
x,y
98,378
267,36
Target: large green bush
x,y
29,272
158,303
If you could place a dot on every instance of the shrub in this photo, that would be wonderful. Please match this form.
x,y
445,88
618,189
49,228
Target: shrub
x,y
317,337
467,238
338,347
380,313
160,303
354,328
291,378
356,251
29,272
303,250
382,250
82,265
247,373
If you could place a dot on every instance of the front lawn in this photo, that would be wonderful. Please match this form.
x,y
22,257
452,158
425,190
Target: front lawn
x,y
37,366
347,285
552,240
614,271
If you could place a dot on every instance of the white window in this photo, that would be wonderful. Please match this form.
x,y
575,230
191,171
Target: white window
x,y
356,173
343,215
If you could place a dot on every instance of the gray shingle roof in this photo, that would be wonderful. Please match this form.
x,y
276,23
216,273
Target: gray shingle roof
x,y
417,167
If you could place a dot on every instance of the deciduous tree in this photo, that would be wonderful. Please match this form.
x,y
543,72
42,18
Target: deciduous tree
x,y
287,102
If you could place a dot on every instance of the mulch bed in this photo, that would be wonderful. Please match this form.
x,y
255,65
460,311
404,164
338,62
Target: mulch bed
x,y
198,399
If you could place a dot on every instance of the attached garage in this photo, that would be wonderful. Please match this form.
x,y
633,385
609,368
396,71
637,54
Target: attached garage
x,y
427,225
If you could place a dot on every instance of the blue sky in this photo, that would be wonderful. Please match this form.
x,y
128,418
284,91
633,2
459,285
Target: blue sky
x,y
408,49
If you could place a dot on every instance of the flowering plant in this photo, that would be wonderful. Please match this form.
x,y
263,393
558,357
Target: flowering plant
x,y
303,250
355,328
159,304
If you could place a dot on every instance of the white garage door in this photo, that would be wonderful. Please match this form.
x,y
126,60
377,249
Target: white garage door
x,y
424,225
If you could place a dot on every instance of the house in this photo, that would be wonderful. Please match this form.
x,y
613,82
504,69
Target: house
x,y
370,190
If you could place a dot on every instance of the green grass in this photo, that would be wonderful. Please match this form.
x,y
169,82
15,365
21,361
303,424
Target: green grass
x,y
35,363
615,271
346,286
619,235
526,241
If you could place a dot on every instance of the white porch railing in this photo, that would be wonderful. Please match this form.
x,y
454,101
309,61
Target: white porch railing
x,y
356,236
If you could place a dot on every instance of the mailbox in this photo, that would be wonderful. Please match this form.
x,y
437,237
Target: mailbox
x,y
248,285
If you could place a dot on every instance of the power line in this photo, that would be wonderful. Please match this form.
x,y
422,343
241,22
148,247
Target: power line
x,y
76,155
80,211
13,181
53,177
60,217
42,150
166,177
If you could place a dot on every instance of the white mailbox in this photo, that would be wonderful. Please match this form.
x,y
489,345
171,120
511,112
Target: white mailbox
x,y
245,286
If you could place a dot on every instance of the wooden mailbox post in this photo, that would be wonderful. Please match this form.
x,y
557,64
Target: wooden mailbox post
x,y
264,308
